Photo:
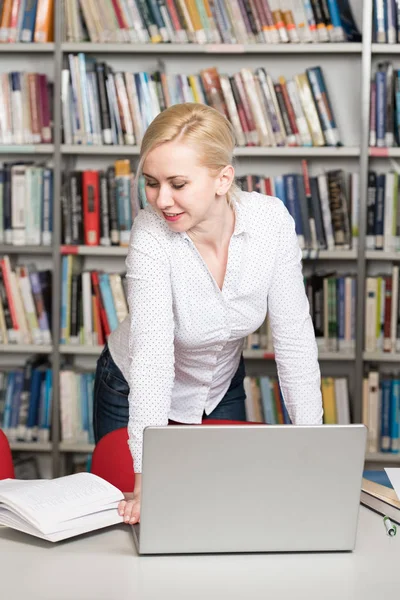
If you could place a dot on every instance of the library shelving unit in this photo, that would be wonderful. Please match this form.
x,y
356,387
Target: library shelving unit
x,y
354,95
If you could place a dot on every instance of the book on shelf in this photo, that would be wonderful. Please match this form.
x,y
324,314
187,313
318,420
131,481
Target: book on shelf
x,y
106,219
26,108
332,301
61,508
383,212
92,304
386,22
265,404
76,406
384,124
26,401
325,207
381,412
26,21
210,22
100,106
25,304
26,204
382,311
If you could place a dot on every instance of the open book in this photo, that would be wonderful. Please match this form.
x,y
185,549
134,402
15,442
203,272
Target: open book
x,y
56,509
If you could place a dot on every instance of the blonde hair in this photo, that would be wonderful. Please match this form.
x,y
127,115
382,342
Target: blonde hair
x,y
201,126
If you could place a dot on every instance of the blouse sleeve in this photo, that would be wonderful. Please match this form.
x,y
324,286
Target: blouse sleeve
x,y
292,330
151,337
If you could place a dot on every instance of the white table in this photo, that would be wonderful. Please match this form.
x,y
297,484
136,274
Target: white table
x,y
105,565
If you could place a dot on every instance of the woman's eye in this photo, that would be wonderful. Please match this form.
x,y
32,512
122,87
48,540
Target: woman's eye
x,y
152,185
178,186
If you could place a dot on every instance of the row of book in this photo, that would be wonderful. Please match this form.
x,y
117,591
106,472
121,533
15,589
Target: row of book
x,y
210,21
92,304
382,312
381,411
25,401
383,212
76,406
25,304
264,402
26,21
26,108
384,124
26,204
325,208
26,398
103,107
98,207
332,300
386,23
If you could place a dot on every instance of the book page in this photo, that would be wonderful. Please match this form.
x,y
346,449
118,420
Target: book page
x,y
81,525
394,476
53,500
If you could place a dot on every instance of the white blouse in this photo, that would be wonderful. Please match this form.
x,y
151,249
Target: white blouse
x,y
181,343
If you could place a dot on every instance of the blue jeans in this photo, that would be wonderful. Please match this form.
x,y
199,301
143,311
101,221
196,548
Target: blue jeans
x,y
111,408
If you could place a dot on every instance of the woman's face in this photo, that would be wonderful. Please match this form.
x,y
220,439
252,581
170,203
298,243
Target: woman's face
x,y
178,187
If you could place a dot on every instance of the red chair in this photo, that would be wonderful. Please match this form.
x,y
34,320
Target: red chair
x,y
6,462
112,459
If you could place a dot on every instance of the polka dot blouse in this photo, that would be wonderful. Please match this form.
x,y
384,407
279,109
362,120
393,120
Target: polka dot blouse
x,y
181,343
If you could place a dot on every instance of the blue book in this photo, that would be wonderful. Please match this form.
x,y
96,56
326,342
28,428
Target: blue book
x,y
280,188
47,207
8,402
267,401
379,211
386,385
340,286
293,206
380,79
378,477
29,20
395,416
108,300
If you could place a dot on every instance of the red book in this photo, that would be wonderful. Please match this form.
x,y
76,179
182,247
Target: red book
x,y
91,207
99,302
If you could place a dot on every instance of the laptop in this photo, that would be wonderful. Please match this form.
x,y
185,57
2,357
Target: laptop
x,y
250,488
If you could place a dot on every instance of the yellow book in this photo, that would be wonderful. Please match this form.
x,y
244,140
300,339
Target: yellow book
x,y
122,167
310,110
328,400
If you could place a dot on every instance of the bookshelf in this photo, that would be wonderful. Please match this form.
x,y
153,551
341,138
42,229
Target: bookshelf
x,y
357,153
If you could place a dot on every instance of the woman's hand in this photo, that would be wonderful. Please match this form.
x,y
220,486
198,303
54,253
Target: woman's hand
x,y
130,507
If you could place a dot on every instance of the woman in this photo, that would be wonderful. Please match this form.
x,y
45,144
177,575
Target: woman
x,y
205,263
